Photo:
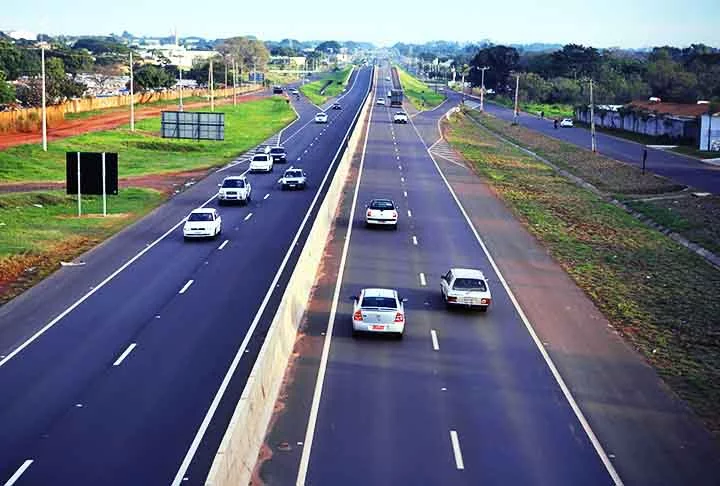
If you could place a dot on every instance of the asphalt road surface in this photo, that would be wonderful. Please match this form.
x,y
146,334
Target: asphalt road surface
x,y
119,372
683,170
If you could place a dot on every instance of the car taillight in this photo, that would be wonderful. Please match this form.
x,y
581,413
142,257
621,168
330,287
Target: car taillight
x,y
394,215
369,213
451,299
399,317
357,316
485,301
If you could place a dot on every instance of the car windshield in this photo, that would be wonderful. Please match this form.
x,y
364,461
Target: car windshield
x,y
277,150
469,284
381,204
234,183
293,173
400,113
379,302
200,217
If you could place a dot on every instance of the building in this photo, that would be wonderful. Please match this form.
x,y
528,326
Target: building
x,y
674,122
710,132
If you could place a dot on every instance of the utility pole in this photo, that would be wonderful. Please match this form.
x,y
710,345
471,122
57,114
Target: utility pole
x,y
482,87
44,109
132,96
180,86
234,83
593,145
226,74
517,88
211,82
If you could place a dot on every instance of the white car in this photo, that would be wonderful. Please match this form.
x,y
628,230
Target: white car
x,y
380,101
378,310
202,223
293,178
261,163
234,189
381,212
294,91
465,287
566,123
387,78
400,117
321,118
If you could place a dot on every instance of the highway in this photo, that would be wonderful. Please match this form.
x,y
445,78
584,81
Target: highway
x,y
684,170
464,398
127,370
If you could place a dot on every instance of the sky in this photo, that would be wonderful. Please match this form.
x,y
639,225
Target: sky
x,y
609,23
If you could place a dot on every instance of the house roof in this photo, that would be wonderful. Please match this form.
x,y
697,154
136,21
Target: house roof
x,y
676,109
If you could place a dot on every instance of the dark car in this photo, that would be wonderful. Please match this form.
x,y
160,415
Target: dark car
x,y
277,90
278,154
336,106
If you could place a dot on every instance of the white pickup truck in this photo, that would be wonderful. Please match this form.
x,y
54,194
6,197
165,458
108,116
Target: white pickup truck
x,y
234,189
293,178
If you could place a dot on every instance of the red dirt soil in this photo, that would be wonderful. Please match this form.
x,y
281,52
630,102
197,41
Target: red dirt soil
x,y
109,121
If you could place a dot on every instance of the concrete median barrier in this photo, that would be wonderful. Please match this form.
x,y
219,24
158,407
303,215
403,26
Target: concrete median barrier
x,y
238,452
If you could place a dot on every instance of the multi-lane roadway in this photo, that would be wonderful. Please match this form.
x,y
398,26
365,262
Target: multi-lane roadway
x,y
126,370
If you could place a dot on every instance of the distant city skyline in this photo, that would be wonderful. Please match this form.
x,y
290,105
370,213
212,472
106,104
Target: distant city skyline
x,y
618,23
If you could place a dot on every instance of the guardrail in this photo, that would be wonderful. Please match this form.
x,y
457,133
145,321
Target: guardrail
x,y
238,452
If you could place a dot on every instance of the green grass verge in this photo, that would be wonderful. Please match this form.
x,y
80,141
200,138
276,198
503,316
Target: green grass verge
x,y
552,110
422,96
143,152
660,296
41,229
693,152
339,82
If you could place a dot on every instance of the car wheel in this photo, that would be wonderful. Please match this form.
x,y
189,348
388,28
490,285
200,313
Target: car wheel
x,y
186,238
399,336
484,309
394,227
355,333
221,202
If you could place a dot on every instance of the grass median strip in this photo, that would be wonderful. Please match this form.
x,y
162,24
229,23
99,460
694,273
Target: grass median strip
x,y
338,83
660,296
420,94
144,152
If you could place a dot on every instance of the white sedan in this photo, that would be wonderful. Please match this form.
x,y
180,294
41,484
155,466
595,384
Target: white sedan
x,y
400,117
321,118
566,123
261,163
378,310
465,287
380,101
202,223
381,212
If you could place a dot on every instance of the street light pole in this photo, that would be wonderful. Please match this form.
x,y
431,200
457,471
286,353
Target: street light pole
x,y
180,86
234,83
482,87
44,109
593,145
211,82
517,88
132,96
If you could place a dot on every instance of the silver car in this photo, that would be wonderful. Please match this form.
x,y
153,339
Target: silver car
x,y
378,310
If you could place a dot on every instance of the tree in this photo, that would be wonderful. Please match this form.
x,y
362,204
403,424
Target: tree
x,y
249,53
7,90
501,60
535,88
576,61
328,47
566,90
152,77
669,81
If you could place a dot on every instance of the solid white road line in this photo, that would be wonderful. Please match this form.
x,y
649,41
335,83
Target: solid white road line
x,y
202,429
124,354
186,286
414,240
248,216
223,245
268,194
18,473
423,282
409,214
433,336
94,289
317,394
541,348
456,450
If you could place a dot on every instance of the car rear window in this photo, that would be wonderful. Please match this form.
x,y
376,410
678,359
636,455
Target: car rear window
x,y
200,217
234,183
293,173
382,205
260,157
469,284
380,302
277,150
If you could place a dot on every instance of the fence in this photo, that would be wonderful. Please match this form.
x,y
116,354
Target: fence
x,y
30,119
662,126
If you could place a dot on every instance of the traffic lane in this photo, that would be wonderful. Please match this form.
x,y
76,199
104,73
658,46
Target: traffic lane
x,y
654,437
361,399
501,395
103,306
684,170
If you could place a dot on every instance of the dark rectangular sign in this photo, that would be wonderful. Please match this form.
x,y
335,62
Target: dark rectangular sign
x,y
193,125
91,173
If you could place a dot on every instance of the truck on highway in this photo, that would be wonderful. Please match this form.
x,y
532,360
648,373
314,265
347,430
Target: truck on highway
x,y
396,97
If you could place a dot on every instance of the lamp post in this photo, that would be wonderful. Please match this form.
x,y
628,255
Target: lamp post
x,y
44,109
211,82
482,87
132,96
517,88
593,143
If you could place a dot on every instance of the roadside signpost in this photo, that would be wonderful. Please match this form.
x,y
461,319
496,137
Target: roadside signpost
x,y
91,173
